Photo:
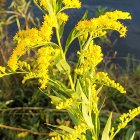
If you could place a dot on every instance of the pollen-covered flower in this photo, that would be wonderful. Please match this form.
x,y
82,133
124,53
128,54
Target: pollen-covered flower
x,y
94,99
125,118
27,39
44,4
115,15
62,17
78,130
72,3
45,57
98,26
50,20
65,104
2,71
102,78
90,58
77,133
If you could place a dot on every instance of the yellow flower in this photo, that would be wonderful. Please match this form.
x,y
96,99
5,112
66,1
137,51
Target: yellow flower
x,y
50,20
97,26
45,57
22,134
2,69
90,58
94,99
115,15
78,130
102,78
125,118
65,104
72,3
30,75
29,38
43,3
62,17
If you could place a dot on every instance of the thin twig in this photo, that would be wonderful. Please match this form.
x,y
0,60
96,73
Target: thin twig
x,y
11,12
32,108
22,129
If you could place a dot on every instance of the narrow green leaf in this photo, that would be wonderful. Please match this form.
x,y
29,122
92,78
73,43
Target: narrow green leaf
x,y
66,128
132,138
105,135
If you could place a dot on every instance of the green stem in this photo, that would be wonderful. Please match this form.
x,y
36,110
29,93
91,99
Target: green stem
x,y
71,82
63,56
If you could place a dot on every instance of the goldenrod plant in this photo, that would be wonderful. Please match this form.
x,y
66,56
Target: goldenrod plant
x,y
74,89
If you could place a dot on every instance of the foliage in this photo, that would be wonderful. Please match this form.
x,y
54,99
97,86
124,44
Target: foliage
x,y
76,89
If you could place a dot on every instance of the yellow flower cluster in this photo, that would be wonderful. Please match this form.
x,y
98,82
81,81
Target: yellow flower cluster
x,y
29,38
125,119
90,58
22,134
102,78
43,3
62,17
94,99
2,71
83,137
78,130
66,104
46,56
56,138
30,75
98,26
115,15
72,3
24,65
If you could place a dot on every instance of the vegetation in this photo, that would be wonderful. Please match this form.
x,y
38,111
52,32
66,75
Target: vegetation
x,y
54,98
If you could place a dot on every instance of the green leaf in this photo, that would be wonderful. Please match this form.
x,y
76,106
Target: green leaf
x,y
66,128
85,106
55,99
132,138
105,135
62,65
85,15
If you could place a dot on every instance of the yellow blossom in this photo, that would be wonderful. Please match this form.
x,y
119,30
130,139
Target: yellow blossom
x,y
115,15
78,130
65,104
102,78
22,134
90,58
29,38
94,99
72,3
76,133
30,75
50,20
125,118
45,57
2,69
98,26
62,17
43,3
